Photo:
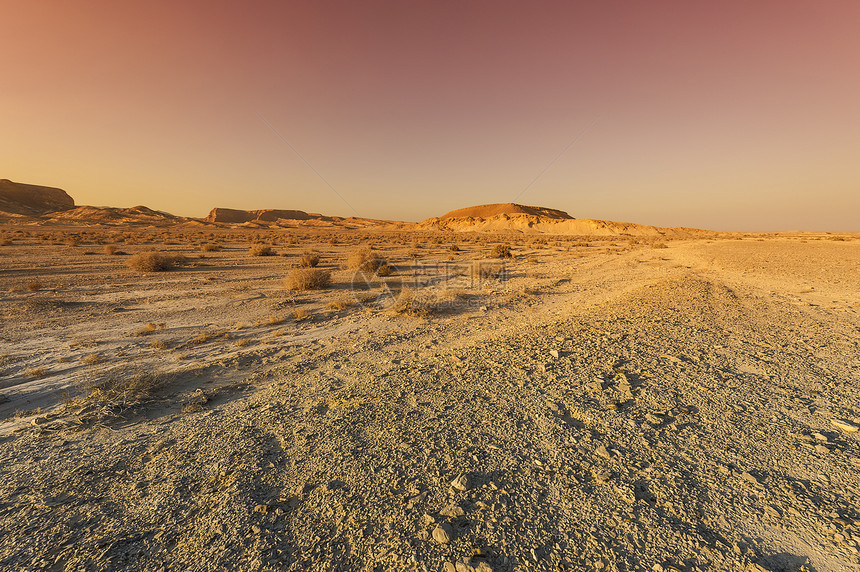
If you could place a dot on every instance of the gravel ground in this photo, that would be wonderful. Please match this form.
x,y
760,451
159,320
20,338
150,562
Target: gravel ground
x,y
689,408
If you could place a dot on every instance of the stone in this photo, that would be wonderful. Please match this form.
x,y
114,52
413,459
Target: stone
x,y
601,450
461,483
443,533
555,353
448,567
453,511
844,425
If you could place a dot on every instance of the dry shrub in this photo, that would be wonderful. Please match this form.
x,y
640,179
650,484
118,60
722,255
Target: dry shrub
x,y
659,244
37,372
301,315
340,304
488,271
92,359
409,303
153,261
274,320
364,259
209,247
148,329
307,279
125,386
34,286
309,260
261,250
158,345
242,343
110,249
501,251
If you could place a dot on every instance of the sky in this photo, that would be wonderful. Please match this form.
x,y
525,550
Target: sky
x,y
732,115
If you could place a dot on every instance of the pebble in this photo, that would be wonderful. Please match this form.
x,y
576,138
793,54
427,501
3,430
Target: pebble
x,y
555,353
443,533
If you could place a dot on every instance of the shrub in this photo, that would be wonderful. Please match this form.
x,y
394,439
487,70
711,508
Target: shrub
x,y
301,315
110,249
153,261
485,271
309,260
307,279
148,329
501,251
341,304
261,250
34,286
364,259
37,372
209,247
92,359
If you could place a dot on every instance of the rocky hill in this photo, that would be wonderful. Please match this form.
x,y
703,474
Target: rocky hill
x,y
514,218
32,200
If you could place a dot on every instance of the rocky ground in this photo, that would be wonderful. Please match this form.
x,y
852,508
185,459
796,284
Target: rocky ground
x,y
606,407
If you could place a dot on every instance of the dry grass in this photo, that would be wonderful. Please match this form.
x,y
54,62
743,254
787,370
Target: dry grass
x,y
34,286
340,304
307,279
92,359
488,271
301,315
501,251
158,345
37,372
409,303
153,261
261,250
209,247
123,386
364,259
149,328
309,260
110,249
243,342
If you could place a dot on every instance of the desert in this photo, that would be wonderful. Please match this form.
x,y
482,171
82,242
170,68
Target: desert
x,y
441,400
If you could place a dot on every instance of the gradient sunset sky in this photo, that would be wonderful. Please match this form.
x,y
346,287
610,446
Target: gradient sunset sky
x,y
740,115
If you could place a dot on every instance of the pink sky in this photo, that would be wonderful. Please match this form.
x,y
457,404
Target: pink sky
x,y
729,115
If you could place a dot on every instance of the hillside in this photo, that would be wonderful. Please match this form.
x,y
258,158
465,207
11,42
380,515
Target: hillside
x,y
32,200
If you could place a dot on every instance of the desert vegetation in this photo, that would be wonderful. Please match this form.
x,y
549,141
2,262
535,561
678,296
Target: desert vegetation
x,y
154,261
300,279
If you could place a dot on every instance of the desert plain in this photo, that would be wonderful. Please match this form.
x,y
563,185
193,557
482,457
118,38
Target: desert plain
x,y
608,402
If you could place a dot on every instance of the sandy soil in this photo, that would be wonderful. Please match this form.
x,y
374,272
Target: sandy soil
x,y
605,405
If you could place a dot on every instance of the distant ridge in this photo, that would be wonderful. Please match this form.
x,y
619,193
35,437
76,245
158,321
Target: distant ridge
x,y
237,216
32,200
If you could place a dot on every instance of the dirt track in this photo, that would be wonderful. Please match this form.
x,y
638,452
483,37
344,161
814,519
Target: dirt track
x,y
629,409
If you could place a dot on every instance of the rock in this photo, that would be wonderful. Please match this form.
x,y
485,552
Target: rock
x,y
448,567
844,425
555,353
461,483
452,511
443,533
601,450
821,449
820,437
749,478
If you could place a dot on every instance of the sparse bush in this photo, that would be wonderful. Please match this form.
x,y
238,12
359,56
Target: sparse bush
x,y
301,315
659,244
454,248
501,251
125,386
158,345
148,329
92,359
341,304
261,250
153,261
37,372
242,343
209,247
409,303
34,286
309,260
364,259
307,279
110,249
486,271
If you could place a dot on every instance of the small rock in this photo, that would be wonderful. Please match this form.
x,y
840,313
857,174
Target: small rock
x,y
461,483
452,511
601,450
261,508
443,533
554,353
844,425
448,567
820,437
821,449
749,478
